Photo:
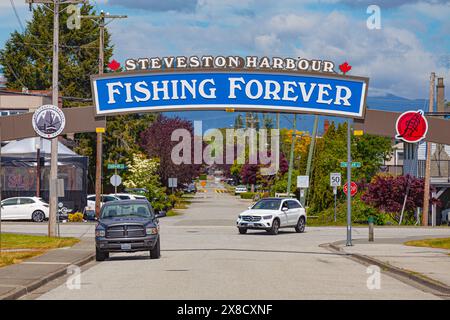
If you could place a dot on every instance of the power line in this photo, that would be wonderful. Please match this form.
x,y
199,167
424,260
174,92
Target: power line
x,y
17,15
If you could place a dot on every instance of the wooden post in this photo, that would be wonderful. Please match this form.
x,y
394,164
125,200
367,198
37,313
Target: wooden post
x,y
426,189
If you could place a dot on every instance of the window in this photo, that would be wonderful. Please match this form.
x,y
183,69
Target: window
x,y
293,204
126,210
25,201
91,198
121,197
9,202
108,198
267,204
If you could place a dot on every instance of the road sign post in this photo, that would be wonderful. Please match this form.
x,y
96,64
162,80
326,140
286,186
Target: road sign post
x,y
335,194
335,181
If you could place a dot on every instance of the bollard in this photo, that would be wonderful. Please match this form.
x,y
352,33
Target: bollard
x,y
371,229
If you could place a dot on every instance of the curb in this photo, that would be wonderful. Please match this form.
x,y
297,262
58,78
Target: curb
x,y
23,290
434,286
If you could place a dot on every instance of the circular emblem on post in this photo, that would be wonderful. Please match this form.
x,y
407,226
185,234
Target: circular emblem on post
x,y
48,121
411,126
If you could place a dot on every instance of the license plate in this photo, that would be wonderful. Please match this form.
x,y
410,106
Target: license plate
x,y
250,225
125,246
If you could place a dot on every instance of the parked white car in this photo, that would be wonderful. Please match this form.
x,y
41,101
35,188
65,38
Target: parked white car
x,y
240,189
271,214
104,198
128,196
25,208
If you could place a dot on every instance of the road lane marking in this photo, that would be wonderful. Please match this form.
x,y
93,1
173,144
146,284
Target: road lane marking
x,y
45,262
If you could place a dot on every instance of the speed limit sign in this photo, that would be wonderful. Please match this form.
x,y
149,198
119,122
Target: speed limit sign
x,y
335,179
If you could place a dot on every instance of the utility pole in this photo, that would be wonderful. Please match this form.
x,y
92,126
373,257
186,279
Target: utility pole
x,y
426,189
38,166
310,154
291,156
53,196
101,21
349,180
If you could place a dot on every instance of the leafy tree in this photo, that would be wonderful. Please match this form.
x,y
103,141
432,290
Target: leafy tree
x,y
331,150
249,174
239,122
27,56
143,173
120,142
387,193
157,143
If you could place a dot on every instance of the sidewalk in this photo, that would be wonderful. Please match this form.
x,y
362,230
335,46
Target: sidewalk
x,y
429,266
19,279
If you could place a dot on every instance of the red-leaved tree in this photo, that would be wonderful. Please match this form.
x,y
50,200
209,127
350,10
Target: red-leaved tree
x,y
387,194
156,141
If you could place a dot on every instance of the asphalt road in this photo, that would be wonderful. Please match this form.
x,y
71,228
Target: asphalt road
x,y
204,257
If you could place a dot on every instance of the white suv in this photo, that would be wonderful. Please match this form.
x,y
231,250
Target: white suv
x,y
271,214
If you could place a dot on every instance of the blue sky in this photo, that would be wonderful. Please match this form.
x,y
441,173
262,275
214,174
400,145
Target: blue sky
x,y
413,39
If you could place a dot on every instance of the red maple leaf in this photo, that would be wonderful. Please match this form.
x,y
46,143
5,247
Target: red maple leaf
x,y
114,65
345,67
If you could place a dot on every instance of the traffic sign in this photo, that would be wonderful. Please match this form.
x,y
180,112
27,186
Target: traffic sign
x,y
353,188
335,179
120,166
302,182
354,164
115,180
173,182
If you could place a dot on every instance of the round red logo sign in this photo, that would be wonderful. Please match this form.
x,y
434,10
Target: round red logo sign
x,y
412,126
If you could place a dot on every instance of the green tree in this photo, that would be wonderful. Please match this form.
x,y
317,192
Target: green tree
x,y
27,56
143,173
121,141
331,150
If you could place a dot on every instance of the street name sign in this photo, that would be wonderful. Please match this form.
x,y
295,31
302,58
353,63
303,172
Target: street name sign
x,y
354,164
120,166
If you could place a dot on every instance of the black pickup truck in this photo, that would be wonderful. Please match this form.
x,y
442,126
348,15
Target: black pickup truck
x,y
127,226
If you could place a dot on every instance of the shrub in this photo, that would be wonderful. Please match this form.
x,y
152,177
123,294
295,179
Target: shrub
x,y
76,217
247,195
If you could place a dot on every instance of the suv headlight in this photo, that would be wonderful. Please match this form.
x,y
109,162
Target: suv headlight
x,y
239,217
267,217
100,233
151,230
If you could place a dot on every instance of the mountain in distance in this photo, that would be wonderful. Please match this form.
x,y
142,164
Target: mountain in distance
x,y
222,119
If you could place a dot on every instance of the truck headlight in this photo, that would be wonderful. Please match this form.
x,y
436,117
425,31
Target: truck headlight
x,y
100,233
267,217
151,230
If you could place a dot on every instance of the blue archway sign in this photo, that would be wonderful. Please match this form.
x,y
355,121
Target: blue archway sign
x,y
245,90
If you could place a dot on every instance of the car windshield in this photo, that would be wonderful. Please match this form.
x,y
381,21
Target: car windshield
x,y
126,210
267,204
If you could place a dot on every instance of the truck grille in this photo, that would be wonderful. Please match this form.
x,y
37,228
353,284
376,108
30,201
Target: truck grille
x,y
251,218
125,231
